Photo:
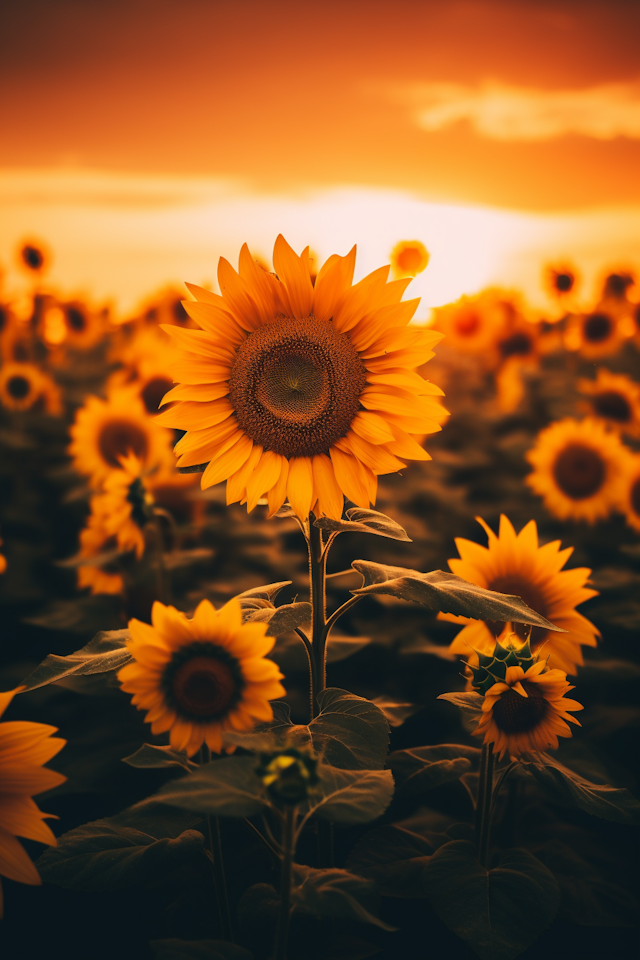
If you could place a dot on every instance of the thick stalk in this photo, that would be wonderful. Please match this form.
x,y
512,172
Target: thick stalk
x,y
484,804
317,574
214,844
163,586
284,917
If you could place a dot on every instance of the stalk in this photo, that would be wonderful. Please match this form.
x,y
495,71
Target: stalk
x,y
484,803
317,576
284,917
214,843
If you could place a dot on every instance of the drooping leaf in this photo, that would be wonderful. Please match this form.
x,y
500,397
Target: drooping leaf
x,y
395,856
228,788
365,521
122,851
151,756
448,593
107,651
340,647
469,704
335,893
395,711
81,615
498,912
198,950
267,592
176,559
351,796
566,787
422,768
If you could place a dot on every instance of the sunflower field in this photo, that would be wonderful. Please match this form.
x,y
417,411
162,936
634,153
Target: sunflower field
x,y
319,625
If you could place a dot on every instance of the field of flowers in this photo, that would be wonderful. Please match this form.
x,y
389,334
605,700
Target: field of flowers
x,y
291,685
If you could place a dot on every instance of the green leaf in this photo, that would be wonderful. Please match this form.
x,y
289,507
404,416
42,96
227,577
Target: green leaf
x,y
184,558
107,651
422,768
122,851
290,655
498,912
198,950
285,618
336,893
229,787
365,521
566,787
445,592
350,796
349,731
395,711
151,756
470,704
267,592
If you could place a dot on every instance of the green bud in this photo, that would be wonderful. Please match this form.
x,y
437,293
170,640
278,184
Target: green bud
x,y
289,775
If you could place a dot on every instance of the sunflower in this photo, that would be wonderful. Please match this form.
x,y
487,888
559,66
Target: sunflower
x,y
34,256
84,327
298,390
105,430
597,334
560,280
197,678
475,325
615,399
24,747
3,560
526,712
24,385
515,564
409,258
629,497
96,544
577,467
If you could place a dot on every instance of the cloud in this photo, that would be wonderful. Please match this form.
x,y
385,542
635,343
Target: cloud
x,y
504,112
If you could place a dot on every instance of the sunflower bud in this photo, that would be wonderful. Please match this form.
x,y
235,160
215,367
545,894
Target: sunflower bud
x,y
289,775
493,669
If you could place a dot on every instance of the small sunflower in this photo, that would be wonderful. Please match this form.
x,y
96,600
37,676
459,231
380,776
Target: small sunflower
x,y
597,334
617,285
527,711
96,542
3,560
84,327
475,325
197,678
24,385
515,564
409,258
629,500
615,399
24,748
561,280
34,256
577,465
105,430
297,390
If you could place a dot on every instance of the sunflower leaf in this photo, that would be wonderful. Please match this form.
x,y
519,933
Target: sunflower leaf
x,y
336,893
149,755
107,651
351,732
365,521
567,787
447,593
122,851
395,711
285,618
491,909
198,950
268,592
350,796
228,788
422,768
469,704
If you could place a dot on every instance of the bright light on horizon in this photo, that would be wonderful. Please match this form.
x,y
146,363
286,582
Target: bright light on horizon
x,y
120,237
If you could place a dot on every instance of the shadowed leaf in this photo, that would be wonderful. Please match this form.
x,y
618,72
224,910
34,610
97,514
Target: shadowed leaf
x,y
567,787
469,704
396,712
365,521
184,558
151,756
267,592
336,893
351,796
228,788
107,651
422,768
445,592
198,950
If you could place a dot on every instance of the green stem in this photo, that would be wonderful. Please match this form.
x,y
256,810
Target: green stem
x,y
286,871
317,575
484,803
214,842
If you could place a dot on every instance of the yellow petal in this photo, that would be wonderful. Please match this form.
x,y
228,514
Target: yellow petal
x,y
237,482
330,496
202,392
227,463
235,294
372,427
334,279
191,415
349,477
300,484
213,316
14,861
296,277
265,475
277,494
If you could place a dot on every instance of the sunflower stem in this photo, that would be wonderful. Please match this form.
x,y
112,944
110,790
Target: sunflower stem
x,y
484,803
286,873
317,577
214,842
163,586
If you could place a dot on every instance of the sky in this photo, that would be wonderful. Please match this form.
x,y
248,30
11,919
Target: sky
x,y
159,114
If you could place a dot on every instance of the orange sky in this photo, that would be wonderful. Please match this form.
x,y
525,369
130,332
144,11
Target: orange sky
x,y
293,95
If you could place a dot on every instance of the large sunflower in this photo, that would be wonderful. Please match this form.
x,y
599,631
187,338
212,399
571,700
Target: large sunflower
x,y
299,390
577,466
24,747
197,678
526,712
515,564
615,399
105,430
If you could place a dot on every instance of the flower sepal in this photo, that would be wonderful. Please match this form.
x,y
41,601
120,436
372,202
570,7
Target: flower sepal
x,y
493,669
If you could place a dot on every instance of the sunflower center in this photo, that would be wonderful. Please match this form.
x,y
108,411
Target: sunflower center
x,y
295,386
563,282
203,681
597,327
579,471
18,387
153,392
468,324
635,497
513,713
76,319
120,437
613,406
410,259
32,257
532,596
517,345
179,311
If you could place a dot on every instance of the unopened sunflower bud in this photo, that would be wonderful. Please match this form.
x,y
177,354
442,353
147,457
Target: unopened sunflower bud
x,y
289,775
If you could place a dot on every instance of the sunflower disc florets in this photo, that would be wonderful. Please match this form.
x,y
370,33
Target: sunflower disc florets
x,y
289,775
